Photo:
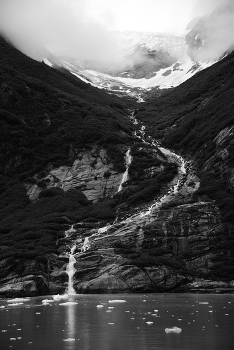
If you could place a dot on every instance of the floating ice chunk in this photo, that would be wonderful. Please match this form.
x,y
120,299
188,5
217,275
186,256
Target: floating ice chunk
x,y
12,338
69,339
111,307
2,307
15,304
149,322
59,297
111,323
155,310
117,301
18,300
38,313
4,330
46,301
173,330
18,329
203,302
69,303
19,337
99,306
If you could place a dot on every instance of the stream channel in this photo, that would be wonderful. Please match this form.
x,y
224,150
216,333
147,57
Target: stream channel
x,y
125,321
143,216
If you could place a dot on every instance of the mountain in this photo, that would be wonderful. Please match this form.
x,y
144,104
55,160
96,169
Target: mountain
x,y
150,62
196,120
210,37
140,195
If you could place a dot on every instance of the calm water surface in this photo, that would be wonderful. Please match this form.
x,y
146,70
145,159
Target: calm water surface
x,y
206,321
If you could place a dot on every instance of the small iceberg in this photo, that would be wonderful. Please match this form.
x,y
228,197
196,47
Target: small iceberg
x,y
117,301
59,297
69,303
18,300
173,330
46,301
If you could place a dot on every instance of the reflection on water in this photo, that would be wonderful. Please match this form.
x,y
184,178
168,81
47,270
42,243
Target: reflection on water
x,y
70,325
105,322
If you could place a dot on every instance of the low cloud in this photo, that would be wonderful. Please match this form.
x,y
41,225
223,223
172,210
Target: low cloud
x,y
212,35
63,24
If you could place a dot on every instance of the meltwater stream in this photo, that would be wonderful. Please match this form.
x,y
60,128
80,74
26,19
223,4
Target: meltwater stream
x,y
71,271
140,218
128,160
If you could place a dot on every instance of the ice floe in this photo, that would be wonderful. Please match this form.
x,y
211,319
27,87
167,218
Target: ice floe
x,y
69,303
18,300
117,301
59,297
46,301
173,330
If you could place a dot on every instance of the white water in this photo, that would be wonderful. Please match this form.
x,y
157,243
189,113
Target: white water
x,y
128,160
86,245
70,270
142,216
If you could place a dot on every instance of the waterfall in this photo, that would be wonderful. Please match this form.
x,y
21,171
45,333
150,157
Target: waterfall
x,y
139,218
128,160
86,244
70,270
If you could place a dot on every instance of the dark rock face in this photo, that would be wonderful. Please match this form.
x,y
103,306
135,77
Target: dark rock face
x,y
28,279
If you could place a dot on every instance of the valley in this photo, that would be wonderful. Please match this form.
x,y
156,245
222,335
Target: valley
x,y
125,188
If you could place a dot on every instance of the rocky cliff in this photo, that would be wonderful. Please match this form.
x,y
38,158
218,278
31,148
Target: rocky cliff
x,y
92,173
162,221
159,246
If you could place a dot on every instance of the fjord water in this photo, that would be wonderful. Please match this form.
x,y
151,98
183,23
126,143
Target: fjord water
x,y
119,322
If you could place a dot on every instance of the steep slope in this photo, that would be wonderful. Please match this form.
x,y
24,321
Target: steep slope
x,y
83,181
49,119
197,120
211,37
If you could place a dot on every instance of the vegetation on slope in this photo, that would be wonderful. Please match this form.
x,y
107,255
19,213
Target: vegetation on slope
x,y
196,119
46,117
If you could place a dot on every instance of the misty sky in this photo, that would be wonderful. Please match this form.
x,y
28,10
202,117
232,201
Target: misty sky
x,y
85,27
147,15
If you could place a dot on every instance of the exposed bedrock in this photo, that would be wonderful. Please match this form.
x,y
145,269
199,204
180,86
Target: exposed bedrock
x,y
92,173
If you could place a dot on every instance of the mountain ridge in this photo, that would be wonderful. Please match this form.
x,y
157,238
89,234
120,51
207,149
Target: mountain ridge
x,y
53,124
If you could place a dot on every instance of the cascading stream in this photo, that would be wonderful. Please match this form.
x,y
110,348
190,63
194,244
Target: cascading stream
x,y
139,218
128,160
70,270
